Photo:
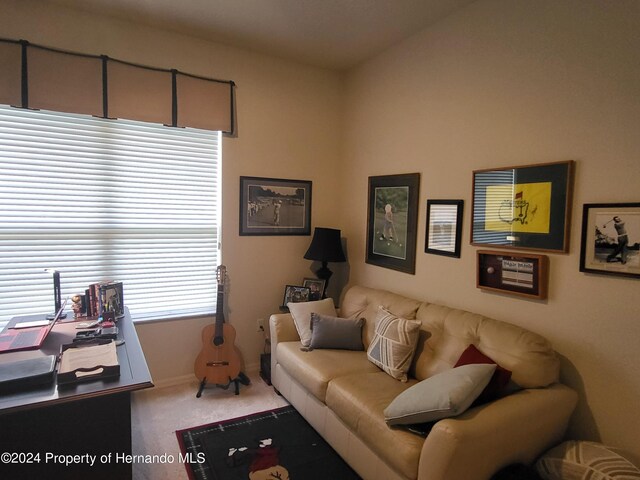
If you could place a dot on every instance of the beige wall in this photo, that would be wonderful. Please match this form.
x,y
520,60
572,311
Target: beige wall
x,y
501,83
288,127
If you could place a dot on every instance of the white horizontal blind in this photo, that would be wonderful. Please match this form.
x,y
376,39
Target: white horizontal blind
x,y
102,200
487,209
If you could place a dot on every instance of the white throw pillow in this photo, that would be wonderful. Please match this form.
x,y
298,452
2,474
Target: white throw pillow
x,y
301,313
443,395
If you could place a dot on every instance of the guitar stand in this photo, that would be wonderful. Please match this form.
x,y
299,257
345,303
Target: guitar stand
x,y
240,379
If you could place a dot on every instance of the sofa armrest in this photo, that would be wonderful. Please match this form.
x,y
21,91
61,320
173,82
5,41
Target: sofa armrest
x,y
281,329
514,429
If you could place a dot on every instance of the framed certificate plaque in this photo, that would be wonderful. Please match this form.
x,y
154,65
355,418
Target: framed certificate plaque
x,y
514,273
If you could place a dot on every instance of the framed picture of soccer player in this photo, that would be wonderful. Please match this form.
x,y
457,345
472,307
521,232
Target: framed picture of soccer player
x,y
392,221
610,242
275,206
527,207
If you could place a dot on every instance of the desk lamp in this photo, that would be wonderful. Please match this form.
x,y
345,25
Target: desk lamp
x,y
57,296
325,247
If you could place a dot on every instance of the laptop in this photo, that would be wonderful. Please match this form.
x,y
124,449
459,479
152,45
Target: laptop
x,y
13,340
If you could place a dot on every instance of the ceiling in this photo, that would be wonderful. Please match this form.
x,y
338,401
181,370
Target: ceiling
x,y
336,34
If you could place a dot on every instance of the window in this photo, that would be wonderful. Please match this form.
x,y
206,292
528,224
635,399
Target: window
x,y
102,200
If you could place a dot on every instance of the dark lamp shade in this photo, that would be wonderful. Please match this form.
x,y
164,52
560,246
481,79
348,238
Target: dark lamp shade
x,y
325,246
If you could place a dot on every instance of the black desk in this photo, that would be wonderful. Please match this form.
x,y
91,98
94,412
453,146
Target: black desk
x,y
89,420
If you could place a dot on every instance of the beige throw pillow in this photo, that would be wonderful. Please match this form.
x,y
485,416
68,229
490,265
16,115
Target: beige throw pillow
x,y
394,343
301,313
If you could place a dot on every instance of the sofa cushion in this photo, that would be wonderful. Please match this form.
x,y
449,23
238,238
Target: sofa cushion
x,y
363,302
301,313
359,401
578,460
498,383
314,369
334,332
394,343
447,332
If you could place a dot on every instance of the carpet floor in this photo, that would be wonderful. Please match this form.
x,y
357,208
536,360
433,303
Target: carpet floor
x,y
157,413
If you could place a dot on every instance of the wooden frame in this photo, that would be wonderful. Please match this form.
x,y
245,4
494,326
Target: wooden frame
x,y
514,273
526,207
610,241
444,227
275,206
392,221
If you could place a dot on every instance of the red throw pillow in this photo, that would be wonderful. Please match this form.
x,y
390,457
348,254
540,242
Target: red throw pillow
x,y
498,381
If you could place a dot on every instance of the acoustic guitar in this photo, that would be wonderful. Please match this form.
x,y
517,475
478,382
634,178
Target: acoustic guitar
x,y
218,361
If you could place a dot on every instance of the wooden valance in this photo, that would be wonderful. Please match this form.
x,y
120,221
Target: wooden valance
x,y
37,77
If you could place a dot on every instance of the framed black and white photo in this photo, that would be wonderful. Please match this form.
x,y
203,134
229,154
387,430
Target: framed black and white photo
x,y
273,206
444,227
610,242
525,207
316,288
392,221
295,294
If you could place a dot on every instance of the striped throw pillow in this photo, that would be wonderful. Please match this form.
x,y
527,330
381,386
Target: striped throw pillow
x,y
394,343
581,460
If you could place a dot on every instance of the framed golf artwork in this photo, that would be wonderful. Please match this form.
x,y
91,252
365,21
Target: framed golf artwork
x,y
525,207
610,242
392,221
275,206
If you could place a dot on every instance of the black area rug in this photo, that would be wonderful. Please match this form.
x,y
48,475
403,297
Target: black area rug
x,y
277,444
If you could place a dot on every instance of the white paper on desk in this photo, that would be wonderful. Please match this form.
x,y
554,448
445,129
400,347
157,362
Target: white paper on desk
x,y
88,357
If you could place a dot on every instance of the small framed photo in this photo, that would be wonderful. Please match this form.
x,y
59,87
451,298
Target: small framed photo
x,y
444,227
295,294
520,274
392,221
111,298
316,288
275,206
610,243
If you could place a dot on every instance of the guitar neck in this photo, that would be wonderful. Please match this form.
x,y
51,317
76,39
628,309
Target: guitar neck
x,y
219,337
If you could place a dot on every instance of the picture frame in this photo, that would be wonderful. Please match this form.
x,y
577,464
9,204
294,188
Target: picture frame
x,y
525,207
392,221
444,227
524,275
295,294
316,288
610,240
275,206
112,299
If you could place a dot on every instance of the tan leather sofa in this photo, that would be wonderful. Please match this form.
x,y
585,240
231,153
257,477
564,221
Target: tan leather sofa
x,y
343,395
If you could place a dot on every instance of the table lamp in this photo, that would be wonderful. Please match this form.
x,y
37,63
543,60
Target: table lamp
x,y
57,296
325,247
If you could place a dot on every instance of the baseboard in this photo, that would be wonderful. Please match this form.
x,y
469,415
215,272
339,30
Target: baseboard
x,y
173,381
250,369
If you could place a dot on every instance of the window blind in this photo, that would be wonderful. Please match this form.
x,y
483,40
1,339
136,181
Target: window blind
x,y
107,200
490,209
